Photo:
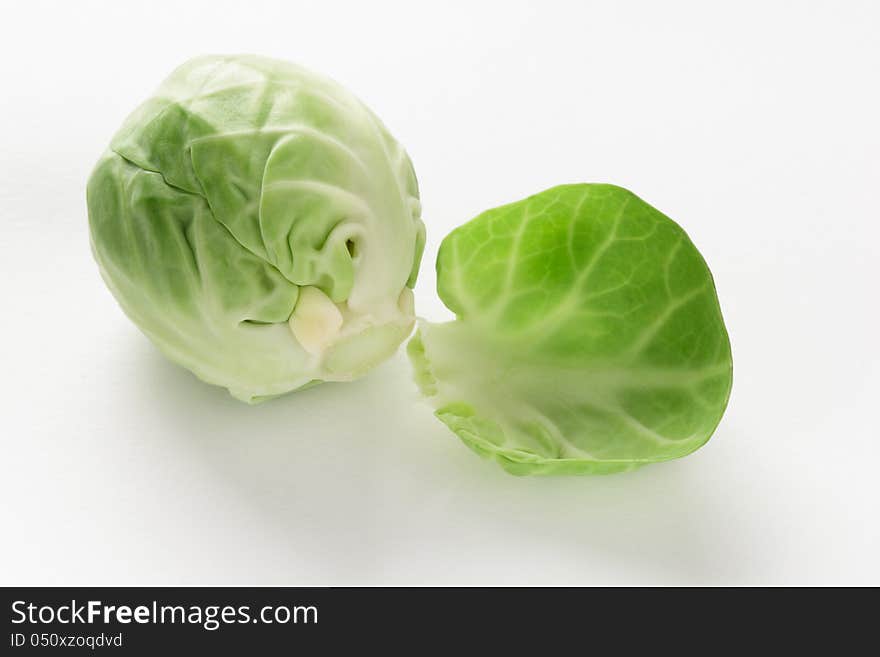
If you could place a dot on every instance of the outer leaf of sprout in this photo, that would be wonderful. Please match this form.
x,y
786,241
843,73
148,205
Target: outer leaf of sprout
x,y
588,336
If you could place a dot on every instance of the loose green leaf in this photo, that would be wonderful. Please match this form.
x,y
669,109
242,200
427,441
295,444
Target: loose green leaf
x,y
588,337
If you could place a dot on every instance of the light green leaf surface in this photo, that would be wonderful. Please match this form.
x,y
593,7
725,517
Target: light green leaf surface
x,y
588,336
242,181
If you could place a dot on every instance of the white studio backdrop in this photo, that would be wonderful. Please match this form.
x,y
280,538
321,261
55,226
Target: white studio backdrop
x,y
756,125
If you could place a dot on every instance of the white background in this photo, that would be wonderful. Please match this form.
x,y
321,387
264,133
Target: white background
x,y
754,125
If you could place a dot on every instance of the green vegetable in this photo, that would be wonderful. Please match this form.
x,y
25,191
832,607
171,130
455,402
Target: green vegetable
x,y
260,225
588,336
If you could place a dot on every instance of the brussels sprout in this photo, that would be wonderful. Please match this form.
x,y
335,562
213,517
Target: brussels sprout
x,y
260,225
588,336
